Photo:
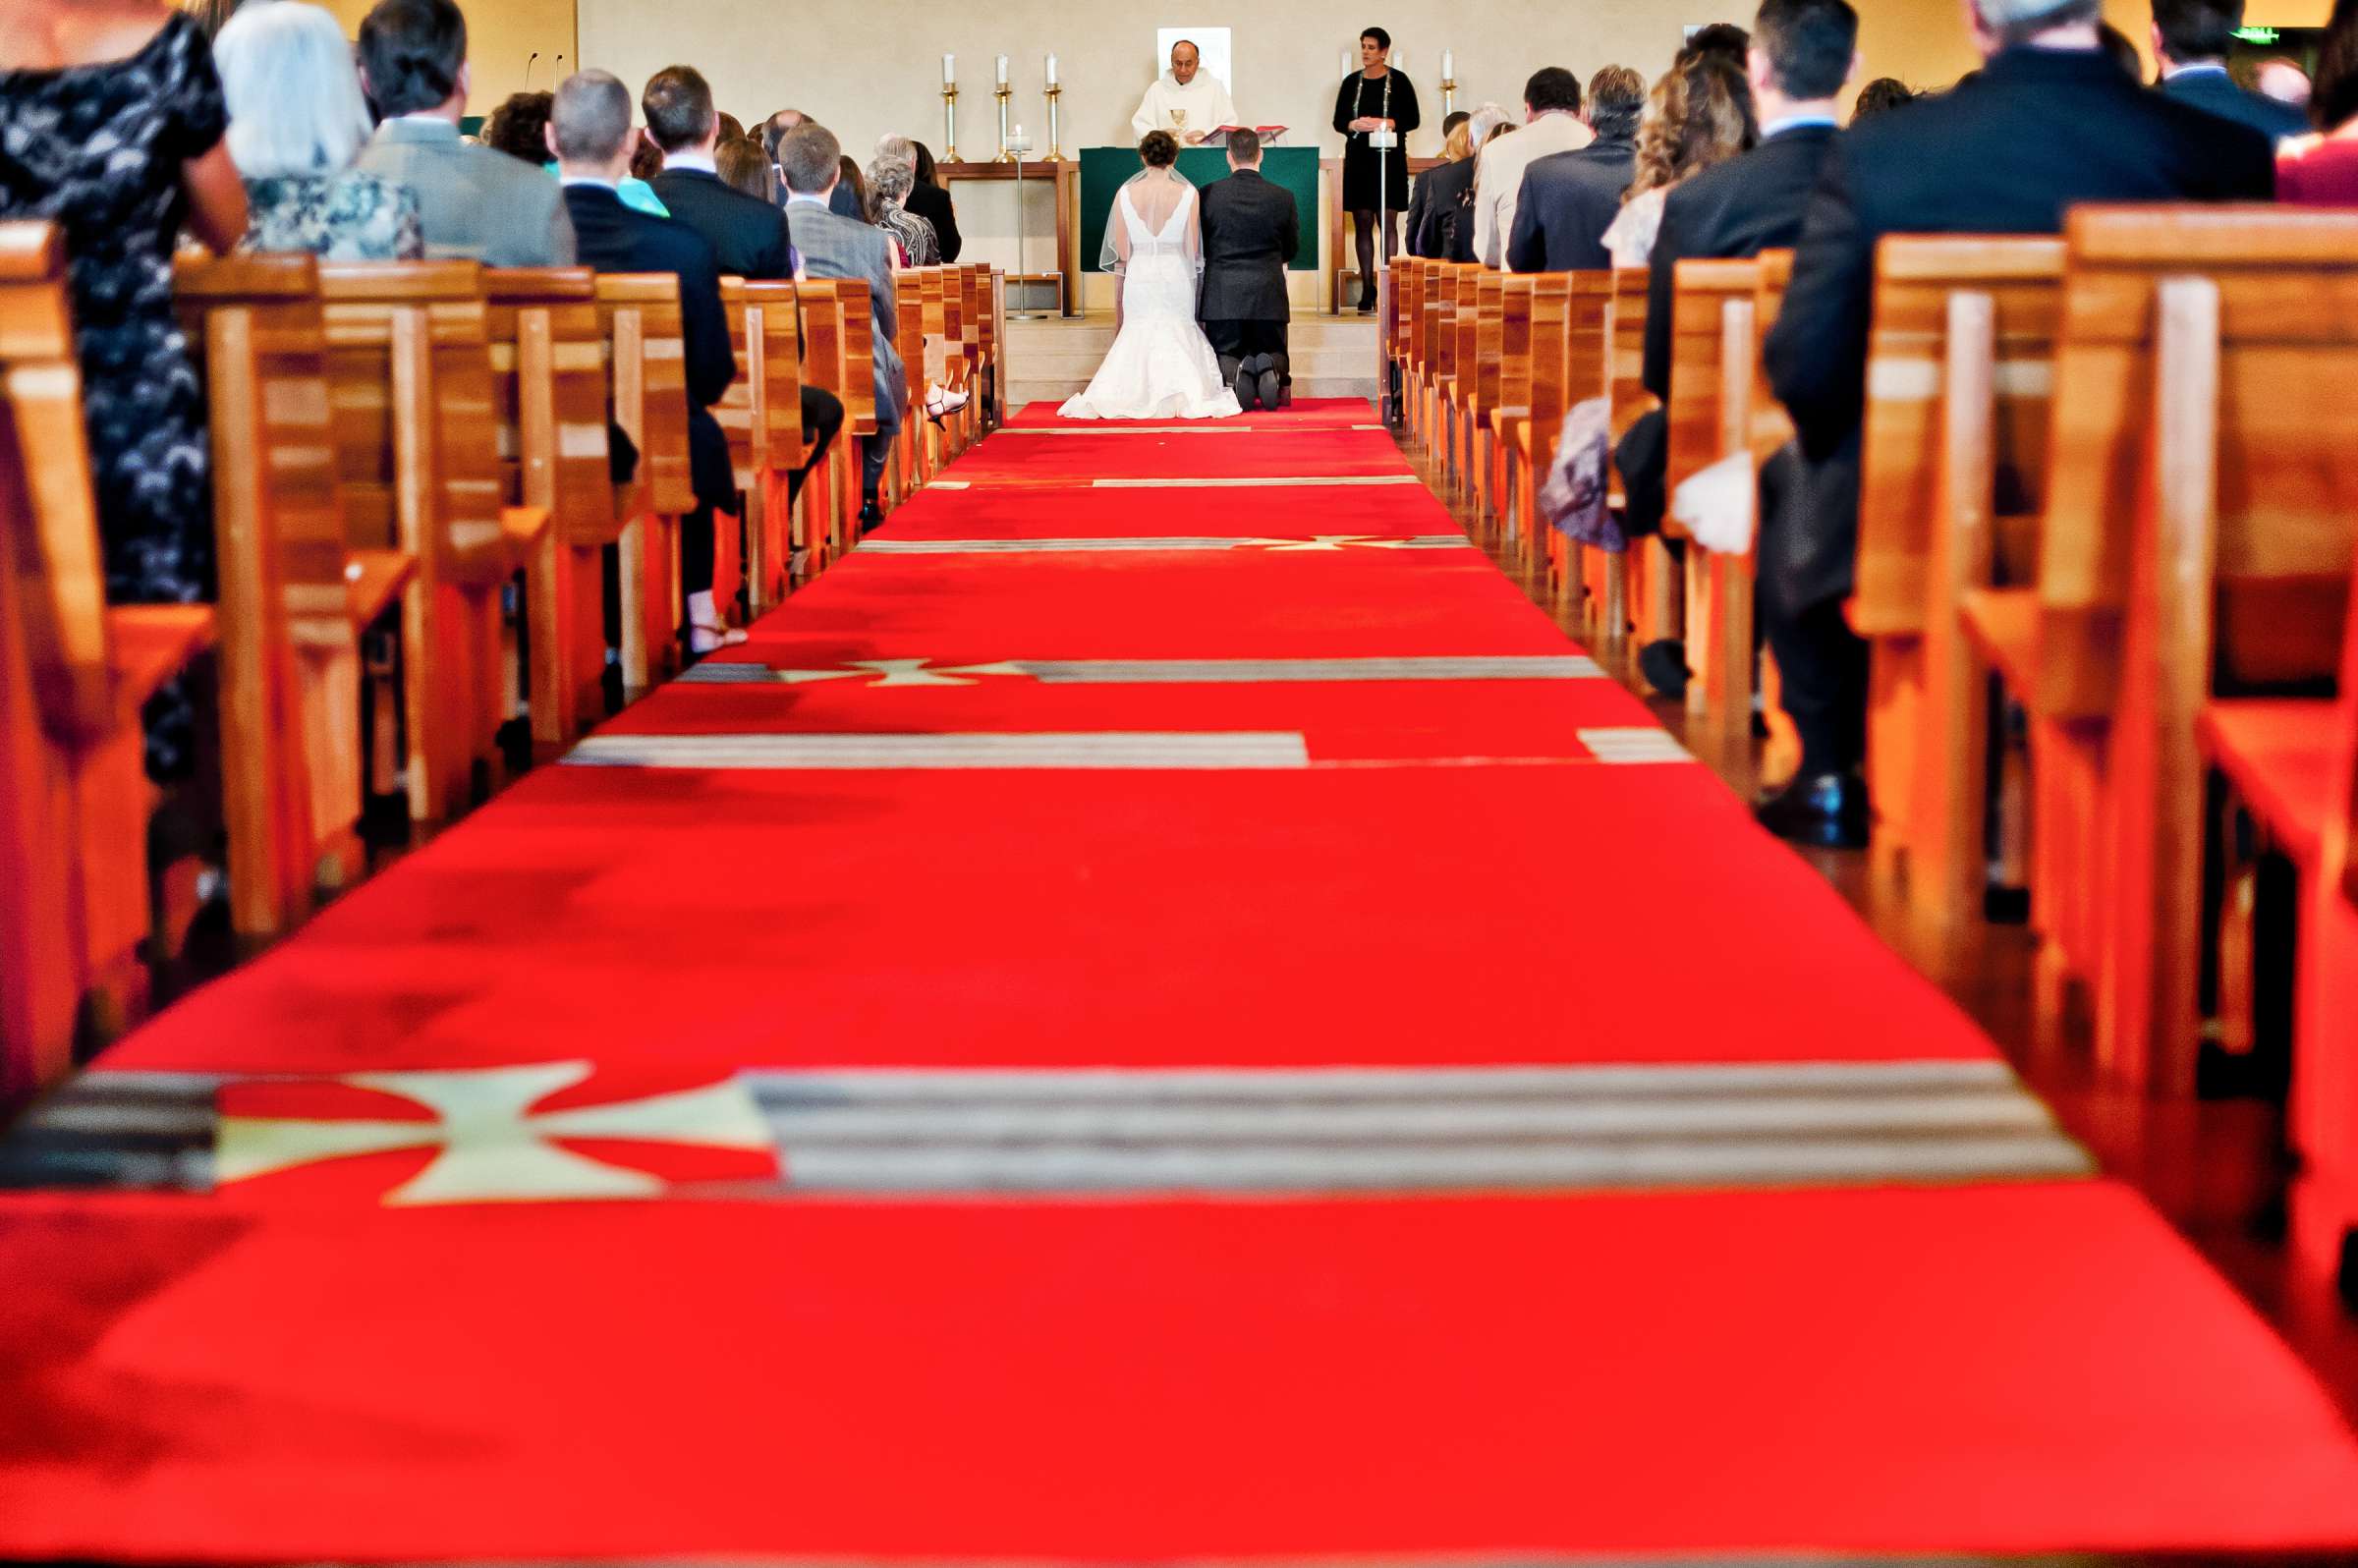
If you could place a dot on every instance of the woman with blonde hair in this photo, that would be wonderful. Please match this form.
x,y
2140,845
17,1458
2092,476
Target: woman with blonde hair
x,y
1444,228
1698,116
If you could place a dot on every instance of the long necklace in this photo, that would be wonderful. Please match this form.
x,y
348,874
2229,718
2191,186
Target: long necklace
x,y
1383,104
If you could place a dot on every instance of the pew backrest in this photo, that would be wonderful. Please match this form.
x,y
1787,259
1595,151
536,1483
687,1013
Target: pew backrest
x,y
1771,425
2284,490
1916,276
1626,349
549,375
1702,290
417,425
647,357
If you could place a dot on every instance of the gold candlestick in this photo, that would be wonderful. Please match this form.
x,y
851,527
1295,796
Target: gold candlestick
x,y
1448,94
1055,153
1002,95
949,123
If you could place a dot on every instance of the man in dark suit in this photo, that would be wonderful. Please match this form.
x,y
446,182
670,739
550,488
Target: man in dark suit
x,y
1801,56
833,246
1251,231
1570,198
2191,39
2047,122
748,237
590,131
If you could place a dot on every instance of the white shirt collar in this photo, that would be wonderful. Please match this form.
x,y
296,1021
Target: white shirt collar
x,y
689,158
2200,67
1794,122
570,180
801,198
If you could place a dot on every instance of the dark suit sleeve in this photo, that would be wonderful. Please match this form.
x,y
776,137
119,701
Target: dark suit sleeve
x,y
1289,239
705,329
776,256
1816,353
1661,292
1526,243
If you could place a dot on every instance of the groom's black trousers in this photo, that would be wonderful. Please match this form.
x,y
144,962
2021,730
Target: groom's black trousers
x,y
1242,340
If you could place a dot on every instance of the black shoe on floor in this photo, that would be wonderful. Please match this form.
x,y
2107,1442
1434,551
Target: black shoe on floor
x,y
1270,391
1665,666
1827,810
870,516
1246,388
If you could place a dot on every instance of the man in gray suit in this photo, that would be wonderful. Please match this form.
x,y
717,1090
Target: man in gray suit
x,y
475,204
834,247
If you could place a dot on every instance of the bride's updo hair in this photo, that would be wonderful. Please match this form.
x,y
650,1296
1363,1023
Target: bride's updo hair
x,y
1160,149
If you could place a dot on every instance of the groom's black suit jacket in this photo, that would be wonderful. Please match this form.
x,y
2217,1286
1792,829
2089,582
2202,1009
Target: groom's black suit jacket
x,y
1249,233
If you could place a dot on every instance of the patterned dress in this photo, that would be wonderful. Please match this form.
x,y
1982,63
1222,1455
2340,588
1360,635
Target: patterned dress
x,y
350,216
918,242
99,149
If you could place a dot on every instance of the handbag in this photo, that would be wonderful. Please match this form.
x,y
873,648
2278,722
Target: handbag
x,y
1573,497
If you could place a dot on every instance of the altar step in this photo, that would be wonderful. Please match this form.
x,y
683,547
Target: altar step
x,y
1333,357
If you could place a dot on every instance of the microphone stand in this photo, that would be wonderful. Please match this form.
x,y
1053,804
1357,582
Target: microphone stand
x,y
1382,140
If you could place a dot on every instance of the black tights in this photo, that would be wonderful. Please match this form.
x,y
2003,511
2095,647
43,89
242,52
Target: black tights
x,y
1362,223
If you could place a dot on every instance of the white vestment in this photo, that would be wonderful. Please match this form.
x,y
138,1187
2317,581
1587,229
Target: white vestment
x,y
1204,100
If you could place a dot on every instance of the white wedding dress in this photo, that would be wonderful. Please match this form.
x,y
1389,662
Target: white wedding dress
x,y
1161,366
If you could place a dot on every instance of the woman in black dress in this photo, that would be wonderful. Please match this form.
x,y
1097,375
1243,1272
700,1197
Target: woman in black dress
x,y
1374,97
112,119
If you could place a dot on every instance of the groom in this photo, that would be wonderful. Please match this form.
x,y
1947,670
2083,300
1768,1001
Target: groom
x,y
1249,233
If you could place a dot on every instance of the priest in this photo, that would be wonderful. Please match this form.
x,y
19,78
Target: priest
x,y
1186,102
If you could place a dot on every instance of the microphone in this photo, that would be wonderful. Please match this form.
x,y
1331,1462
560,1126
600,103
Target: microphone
x,y
528,67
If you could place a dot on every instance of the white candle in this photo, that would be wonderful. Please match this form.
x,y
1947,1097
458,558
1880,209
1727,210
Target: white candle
x,y
1051,71
949,70
1448,65
1398,60
1350,61
1002,71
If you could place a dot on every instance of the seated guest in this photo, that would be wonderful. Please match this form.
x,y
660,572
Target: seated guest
x,y
112,123
834,247
1552,123
1802,55
1698,116
850,176
1417,192
889,182
2322,170
743,166
1722,38
2114,42
843,203
930,200
473,203
2047,122
518,127
1570,198
748,235
296,122
732,128
2191,39
590,133
1444,226
1880,96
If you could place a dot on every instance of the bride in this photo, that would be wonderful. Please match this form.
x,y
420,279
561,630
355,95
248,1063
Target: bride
x,y
1161,366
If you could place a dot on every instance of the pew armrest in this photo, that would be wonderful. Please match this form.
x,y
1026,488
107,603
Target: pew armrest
x,y
524,526
149,644
373,579
2278,754
2004,626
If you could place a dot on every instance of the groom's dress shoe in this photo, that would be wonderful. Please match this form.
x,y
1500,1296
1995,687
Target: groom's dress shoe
x,y
1270,390
1827,811
1246,387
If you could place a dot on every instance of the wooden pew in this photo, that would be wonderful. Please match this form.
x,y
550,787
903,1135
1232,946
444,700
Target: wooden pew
x,y
837,332
911,451
294,593
990,347
548,366
1406,283
1713,350
1641,588
1440,381
1510,399
1414,285
1771,429
74,672
2292,764
762,418
1482,396
417,432
1465,381
1959,373
2208,558
639,314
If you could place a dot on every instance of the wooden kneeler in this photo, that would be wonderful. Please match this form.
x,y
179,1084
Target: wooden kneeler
x,y
548,366
74,798
647,357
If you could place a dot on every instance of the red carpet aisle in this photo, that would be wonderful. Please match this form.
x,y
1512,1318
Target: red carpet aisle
x,y
1152,1020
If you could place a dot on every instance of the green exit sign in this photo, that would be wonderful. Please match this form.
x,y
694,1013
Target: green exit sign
x,y
2262,36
